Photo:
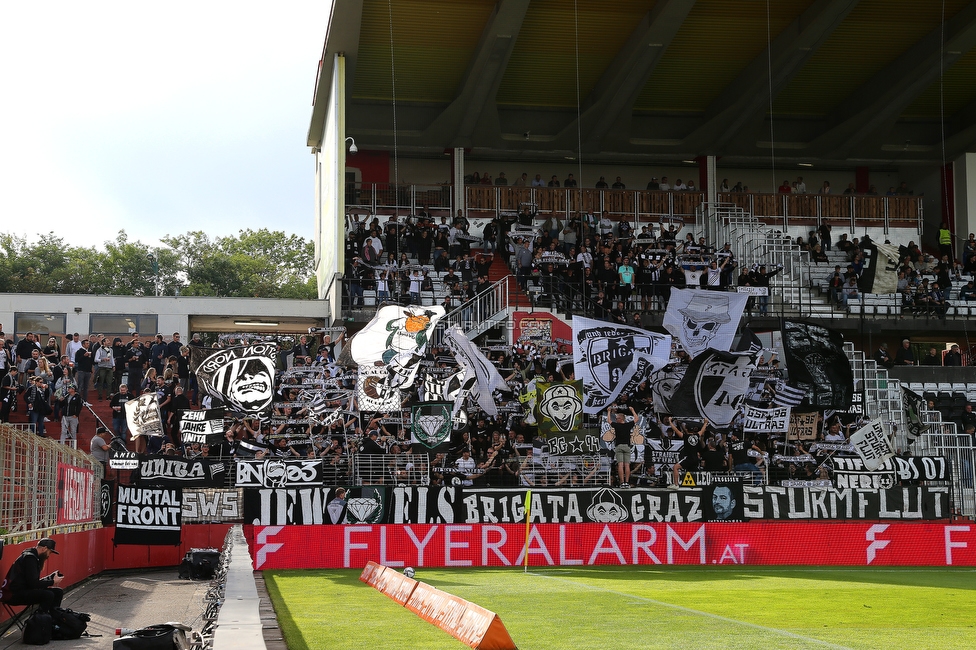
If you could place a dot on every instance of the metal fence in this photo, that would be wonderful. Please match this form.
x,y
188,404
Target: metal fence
x,y
29,482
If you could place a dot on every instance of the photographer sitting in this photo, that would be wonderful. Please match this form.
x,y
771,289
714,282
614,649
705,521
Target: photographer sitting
x,y
24,584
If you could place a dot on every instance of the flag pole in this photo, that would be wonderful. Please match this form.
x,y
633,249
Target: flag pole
x,y
528,526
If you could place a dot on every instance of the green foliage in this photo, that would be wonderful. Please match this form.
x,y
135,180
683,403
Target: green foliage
x,y
646,607
262,263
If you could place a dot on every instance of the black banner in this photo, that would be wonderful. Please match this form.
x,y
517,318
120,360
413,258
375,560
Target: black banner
x,y
425,505
279,473
817,364
106,498
797,504
714,386
723,502
851,473
315,505
148,516
170,471
583,442
719,501
922,468
204,426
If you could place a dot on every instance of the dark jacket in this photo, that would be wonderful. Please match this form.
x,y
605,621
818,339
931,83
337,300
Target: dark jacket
x,y
25,573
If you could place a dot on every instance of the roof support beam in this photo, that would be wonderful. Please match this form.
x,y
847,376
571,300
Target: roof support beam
x,y
746,99
613,97
458,122
343,37
879,101
963,137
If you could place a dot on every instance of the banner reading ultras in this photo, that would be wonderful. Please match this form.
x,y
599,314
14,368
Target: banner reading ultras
x,y
483,545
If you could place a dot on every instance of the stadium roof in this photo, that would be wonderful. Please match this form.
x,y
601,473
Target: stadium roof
x,y
875,82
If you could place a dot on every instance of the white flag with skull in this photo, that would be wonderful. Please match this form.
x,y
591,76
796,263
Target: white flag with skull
x,y
704,319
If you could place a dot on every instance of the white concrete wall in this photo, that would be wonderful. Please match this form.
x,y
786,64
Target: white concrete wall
x,y
173,312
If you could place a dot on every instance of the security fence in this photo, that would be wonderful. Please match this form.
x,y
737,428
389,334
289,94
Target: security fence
x,y
45,486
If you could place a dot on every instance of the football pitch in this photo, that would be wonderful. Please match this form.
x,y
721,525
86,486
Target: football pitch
x,y
646,607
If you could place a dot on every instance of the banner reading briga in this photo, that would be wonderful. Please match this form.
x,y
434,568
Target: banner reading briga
x,y
482,545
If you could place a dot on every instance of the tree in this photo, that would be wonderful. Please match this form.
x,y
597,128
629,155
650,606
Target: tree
x,y
262,263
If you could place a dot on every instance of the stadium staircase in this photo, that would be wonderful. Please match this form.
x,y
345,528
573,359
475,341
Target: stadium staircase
x,y
756,244
883,399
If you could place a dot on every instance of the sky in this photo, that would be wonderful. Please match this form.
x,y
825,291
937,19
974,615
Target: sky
x,y
157,118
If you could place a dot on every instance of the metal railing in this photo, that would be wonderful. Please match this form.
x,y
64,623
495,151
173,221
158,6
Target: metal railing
x,y
479,314
883,399
390,469
780,210
29,482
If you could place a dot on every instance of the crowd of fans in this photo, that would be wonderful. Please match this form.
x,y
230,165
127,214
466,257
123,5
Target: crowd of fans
x,y
664,184
499,451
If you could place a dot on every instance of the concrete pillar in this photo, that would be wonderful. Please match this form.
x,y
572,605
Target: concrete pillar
x,y
457,180
963,195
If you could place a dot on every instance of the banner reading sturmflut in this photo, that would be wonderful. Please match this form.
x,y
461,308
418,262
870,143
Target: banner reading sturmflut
x,y
613,359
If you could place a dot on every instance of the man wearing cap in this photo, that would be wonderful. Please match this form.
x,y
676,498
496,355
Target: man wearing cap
x,y
24,584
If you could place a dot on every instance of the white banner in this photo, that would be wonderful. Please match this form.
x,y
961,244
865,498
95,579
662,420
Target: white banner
x,y
613,359
373,393
703,319
480,375
774,420
873,444
142,414
753,291
396,338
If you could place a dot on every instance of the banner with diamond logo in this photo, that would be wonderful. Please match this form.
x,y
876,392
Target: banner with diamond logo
x,y
431,424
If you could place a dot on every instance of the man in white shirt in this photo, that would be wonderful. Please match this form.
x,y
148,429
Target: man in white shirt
x,y
801,187
665,185
466,465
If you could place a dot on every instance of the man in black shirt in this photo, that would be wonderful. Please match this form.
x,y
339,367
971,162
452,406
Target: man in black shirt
x,y
690,452
714,457
135,360
622,431
9,386
24,584
119,424
739,457
71,409
84,365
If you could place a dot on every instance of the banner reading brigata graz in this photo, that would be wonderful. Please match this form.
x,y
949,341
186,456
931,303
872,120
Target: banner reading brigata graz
x,y
721,502
475,545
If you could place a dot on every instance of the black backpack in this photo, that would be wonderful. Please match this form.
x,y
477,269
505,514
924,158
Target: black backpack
x,y
164,636
68,624
37,629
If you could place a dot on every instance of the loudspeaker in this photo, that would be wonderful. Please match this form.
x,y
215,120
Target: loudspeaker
x,y
200,564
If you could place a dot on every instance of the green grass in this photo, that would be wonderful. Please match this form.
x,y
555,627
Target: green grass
x,y
647,607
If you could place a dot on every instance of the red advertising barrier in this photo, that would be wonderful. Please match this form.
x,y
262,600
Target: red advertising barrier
x,y
85,553
467,622
478,545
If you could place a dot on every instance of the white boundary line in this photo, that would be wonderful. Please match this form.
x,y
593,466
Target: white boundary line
x,y
688,610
